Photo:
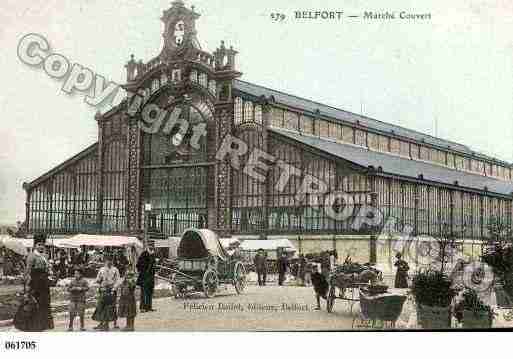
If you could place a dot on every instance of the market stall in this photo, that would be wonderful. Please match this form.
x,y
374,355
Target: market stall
x,y
20,246
132,245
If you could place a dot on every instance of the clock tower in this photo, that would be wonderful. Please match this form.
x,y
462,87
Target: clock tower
x,y
199,83
179,31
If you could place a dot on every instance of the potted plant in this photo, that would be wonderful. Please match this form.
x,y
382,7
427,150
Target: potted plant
x,y
432,288
433,294
498,254
472,312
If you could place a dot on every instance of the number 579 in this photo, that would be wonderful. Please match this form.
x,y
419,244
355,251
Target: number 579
x,y
276,16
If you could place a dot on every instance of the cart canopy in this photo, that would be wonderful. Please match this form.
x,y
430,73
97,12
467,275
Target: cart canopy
x,y
200,243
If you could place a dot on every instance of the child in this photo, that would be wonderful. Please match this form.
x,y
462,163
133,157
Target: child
x,y
77,288
127,303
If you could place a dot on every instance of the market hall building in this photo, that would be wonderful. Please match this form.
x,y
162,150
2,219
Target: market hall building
x,y
429,183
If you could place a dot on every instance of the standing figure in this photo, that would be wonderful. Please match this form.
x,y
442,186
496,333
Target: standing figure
x,y
283,265
121,262
146,279
320,285
333,259
2,260
325,264
77,288
302,269
105,312
127,302
62,265
308,272
37,271
401,277
260,261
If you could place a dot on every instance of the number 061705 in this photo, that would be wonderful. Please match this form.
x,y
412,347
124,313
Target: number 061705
x,y
20,345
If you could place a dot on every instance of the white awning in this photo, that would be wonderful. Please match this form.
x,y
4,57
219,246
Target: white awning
x,y
267,245
171,242
100,241
61,243
20,246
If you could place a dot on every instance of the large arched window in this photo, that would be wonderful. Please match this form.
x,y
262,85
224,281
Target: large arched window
x,y
248,112
181,141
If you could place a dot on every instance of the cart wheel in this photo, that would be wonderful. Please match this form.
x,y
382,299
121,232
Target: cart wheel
x,y
331,299
176,291
239,277
210,283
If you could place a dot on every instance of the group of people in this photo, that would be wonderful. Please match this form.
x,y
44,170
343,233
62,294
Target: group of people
x,y
110,285
301,268
262,267
65,264
35,313
320,280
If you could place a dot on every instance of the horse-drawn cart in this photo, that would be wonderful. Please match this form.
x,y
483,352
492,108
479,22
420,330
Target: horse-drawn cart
x,y
348,279
202,265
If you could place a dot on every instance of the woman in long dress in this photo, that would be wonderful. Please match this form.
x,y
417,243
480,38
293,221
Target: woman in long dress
x,y
38,271
105,312
401,277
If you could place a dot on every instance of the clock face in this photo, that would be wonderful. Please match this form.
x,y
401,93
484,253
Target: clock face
x,y
179,33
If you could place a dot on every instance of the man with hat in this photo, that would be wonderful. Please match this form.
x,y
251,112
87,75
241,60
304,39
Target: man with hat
x,y
146,279
260,262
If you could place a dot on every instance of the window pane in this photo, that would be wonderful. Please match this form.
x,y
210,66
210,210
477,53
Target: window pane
x,y
277,118
361,138
373,140
347,134
383,143
323,128
307,125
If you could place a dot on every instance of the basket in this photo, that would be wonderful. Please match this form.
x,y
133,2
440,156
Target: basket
x,y
386,308
433,317
376,289
477,320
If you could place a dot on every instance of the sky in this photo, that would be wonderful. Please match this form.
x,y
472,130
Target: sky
x,y
454,70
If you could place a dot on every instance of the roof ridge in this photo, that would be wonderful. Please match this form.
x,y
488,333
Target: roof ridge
x,y
460,176
468,148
